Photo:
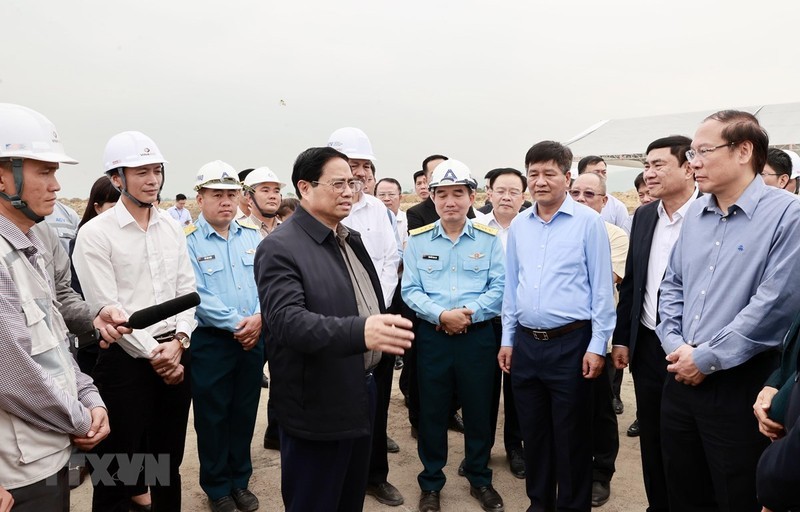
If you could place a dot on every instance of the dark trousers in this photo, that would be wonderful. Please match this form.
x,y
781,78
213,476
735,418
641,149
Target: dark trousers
x,y
710,439
378,460
649,371
605,431
145,416
225,391
512,435
464,363
616,378
325,476
50,495
272,423
554,405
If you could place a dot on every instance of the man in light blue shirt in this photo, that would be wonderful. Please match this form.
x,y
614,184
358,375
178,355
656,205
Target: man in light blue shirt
x,y
226,355
453,280
558,314
725,305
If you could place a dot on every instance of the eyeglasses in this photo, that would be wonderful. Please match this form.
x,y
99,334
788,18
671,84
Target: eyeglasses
x,y
511,193
338,185
387,195
704,152
588,194
768,174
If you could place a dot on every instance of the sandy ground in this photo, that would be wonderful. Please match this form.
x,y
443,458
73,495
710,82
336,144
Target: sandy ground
x,y
627,489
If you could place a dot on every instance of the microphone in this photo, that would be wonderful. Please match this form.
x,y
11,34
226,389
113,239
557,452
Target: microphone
x,y
145,317
154,314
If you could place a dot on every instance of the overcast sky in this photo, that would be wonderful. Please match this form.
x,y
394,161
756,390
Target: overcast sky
x,y
255,83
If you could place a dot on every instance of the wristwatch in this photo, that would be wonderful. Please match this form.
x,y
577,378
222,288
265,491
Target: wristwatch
x,y
184,340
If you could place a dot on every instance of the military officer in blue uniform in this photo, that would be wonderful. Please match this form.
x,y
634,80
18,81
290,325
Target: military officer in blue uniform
x,y
227,357
453,280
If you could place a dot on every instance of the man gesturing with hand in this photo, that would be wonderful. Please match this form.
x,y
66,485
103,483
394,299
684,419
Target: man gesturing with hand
x,y
322,308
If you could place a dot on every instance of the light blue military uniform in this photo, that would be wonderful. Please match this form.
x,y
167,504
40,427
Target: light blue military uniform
x,y
440,275
225,377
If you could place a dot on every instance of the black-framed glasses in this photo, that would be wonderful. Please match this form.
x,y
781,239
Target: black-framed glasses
x,y
338,185
389,195
588,194
704,152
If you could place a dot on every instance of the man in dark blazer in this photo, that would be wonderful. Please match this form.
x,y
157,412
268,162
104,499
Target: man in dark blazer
x,y
654,231
322,306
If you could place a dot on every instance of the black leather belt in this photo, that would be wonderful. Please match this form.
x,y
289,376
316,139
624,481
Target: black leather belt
x,y
167,336
551,334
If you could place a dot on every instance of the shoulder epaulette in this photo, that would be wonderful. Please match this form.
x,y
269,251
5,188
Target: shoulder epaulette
x,y
423,229
188,230
247,224
484,228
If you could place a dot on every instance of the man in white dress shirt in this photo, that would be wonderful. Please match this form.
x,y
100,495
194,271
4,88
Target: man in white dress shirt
x,y
134,256
390,192
615,210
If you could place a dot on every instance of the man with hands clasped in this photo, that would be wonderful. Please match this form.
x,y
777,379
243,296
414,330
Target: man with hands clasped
x,y
227,358
453,280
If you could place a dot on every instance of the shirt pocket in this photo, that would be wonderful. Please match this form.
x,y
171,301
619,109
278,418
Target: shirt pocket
x,y
476,273
566,257
248,263
214,275
430,273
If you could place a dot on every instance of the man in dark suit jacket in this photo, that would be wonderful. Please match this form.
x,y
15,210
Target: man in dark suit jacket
x,y
322,306
654,231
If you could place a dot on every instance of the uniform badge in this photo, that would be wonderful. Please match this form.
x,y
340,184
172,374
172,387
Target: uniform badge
x,y
250,251
477,255
430,257
206,258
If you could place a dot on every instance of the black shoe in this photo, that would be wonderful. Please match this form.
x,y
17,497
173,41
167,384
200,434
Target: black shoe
x,y
245,500
489,498
224,504
414,432
272,443
516,463
429,501
461,471
456,424
601,491
619,407
398,362
392,446
633,430
385,493
264,381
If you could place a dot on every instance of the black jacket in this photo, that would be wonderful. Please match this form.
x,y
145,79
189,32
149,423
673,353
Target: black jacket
x,y
314,336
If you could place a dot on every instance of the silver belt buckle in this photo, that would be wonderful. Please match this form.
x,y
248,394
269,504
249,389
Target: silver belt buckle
x,y
540,335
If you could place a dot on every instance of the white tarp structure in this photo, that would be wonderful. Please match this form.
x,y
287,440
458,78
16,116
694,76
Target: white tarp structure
x,y
623,141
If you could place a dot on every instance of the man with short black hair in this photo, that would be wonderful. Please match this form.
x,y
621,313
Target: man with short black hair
x,y
778,169
421,185
727,268
322,304
558,314
179,211
654,230
389,191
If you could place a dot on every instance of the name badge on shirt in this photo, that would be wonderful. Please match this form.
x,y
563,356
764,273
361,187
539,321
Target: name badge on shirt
x,y
430,257
206,258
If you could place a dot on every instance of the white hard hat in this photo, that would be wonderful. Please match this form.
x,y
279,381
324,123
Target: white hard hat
x,y
25,133
452,172
219,175
131,149
262,175
352,142
795,163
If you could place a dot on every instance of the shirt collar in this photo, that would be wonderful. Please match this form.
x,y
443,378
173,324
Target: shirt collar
x,y
124,217
207,230
438,231
19,240
680,212
567,207
746,202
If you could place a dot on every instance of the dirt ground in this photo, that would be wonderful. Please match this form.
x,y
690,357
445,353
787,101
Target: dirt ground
x,y
627,489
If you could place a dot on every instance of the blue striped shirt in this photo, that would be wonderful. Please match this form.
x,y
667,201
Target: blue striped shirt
x,y
730,287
